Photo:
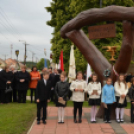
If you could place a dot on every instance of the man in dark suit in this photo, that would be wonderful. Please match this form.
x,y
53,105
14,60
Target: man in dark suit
x,y
52,80
43,96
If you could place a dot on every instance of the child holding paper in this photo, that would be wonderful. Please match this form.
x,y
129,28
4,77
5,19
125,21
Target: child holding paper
x,y
131,96
94,91
61,92
108,98
121,90
78,88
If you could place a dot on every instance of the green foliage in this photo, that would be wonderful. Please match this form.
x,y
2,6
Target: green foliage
x,y
40,64
64,10
29,64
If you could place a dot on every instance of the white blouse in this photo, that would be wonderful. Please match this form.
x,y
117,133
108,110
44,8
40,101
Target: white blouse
x,y
120,89
94,86
78,96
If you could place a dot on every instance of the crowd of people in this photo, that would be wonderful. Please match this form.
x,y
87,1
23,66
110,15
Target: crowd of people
x,y
53,86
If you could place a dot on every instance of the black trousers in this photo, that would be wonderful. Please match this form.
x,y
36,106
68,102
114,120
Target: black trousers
x,y
22,96
78,105
3,96
132,113
14,95
52,95
40,105
108,112
33,91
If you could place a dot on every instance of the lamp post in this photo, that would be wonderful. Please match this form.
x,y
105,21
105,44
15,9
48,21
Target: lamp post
x,y
17,53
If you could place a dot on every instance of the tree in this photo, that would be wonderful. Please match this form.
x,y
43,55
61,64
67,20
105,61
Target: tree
x,y
62,11
40,64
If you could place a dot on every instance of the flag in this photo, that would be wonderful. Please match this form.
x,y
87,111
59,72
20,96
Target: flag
x,y
45,62
72,67
89,72
61,61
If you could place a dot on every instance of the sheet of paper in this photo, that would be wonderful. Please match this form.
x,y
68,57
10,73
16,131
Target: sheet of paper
x,y
95,92
79,86
105,105
121,100
62,102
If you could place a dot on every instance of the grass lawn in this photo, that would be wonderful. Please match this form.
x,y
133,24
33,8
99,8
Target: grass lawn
x,y
16,118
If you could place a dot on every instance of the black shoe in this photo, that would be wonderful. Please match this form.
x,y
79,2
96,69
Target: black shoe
x,y
38,122
79,121
59,122
121,120
75,121
117,120
62,122
44,122
105,121
109,121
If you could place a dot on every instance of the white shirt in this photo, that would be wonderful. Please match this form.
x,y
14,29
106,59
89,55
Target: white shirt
x,y
94,86
45,82
120,89
78,96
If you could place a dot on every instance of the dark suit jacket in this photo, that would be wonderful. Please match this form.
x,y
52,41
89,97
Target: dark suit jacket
x,y
4,77
22,75
43,91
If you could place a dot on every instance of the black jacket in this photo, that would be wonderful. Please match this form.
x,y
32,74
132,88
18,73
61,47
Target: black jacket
x,y
4,77
22,85
56,79
131,93
62,89
52,79
43,91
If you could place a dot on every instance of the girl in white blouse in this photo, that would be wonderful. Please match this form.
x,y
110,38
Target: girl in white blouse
x,y
94,91
78,88
121,90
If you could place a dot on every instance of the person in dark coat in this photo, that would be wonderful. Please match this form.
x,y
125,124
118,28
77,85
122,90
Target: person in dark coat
x,y
131,96
6,78
12,68
129,77
43,96
52,80
61,92
22,79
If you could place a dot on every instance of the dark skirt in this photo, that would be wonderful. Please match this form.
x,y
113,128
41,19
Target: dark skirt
x,y
93,102
118,105
60,105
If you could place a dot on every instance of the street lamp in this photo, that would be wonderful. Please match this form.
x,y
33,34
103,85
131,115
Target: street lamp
x,y
17,53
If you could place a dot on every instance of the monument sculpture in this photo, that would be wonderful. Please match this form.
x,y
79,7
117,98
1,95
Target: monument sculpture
x,y
94,57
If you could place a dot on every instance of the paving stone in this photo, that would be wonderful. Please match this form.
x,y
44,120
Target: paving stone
x,y
86,127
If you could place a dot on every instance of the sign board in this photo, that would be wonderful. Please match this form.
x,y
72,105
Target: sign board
x,y
102,31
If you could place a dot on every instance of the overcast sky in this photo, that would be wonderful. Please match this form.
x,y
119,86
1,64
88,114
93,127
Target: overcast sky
x,y
24,20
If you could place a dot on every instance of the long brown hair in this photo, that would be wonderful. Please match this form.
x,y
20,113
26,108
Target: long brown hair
x,y
92,78
123,80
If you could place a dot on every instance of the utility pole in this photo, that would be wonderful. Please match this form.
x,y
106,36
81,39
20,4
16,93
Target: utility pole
x,y
25,54
36,60
5,56
32,57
